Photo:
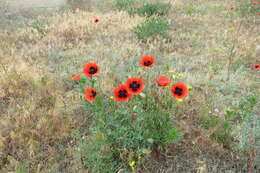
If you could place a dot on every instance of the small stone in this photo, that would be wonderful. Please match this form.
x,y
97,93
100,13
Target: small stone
x,y
257,50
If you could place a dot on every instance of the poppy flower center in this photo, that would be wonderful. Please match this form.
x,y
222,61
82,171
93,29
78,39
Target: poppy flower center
x,y
147,63
135,86
178,91
122,93
93,93
92,70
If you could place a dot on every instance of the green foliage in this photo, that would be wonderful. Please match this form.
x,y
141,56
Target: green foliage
x,y
152,27
22,168
38,26
149,9
121,133
190,10
118,138
249,128
223,131
246,107
208,121
124,4
236,65
245,8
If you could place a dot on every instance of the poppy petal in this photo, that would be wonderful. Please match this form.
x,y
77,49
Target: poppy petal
x,y
76,77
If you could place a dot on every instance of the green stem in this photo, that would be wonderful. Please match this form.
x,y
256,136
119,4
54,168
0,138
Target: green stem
x,y
230,60
92,82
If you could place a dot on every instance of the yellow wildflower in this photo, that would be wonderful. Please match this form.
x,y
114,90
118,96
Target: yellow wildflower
x,y
179,75
111,97
132,165
139,157
217,49
179,100
231,29
189,87
171,71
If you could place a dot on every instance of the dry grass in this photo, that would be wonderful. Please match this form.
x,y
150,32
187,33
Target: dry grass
x,y
39,110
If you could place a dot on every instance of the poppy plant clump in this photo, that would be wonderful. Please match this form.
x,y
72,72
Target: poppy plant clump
x,y
147,61
121,93
90,94
163,81
179,90
134,85
91,69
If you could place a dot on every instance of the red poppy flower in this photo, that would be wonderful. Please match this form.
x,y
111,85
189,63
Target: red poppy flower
x,y
90,94
255,3
147,61
257,13
90,69
179,90
96,20
121,93
134,148
163,81
256,67
75,77
78,7
134,85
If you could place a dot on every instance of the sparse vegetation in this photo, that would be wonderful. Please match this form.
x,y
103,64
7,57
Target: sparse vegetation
x,y
124,4
47,125
150,9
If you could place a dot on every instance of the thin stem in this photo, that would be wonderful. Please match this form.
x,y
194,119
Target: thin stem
x,y
92,82
232,53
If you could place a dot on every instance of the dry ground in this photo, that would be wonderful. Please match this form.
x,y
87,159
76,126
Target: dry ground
x,y
39,111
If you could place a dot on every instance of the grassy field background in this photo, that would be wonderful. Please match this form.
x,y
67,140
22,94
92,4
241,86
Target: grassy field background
x,y
212,44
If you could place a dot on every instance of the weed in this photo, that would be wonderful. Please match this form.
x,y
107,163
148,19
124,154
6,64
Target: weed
x,y
124,4
38,26
223,130
152,27
22,168
158,9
